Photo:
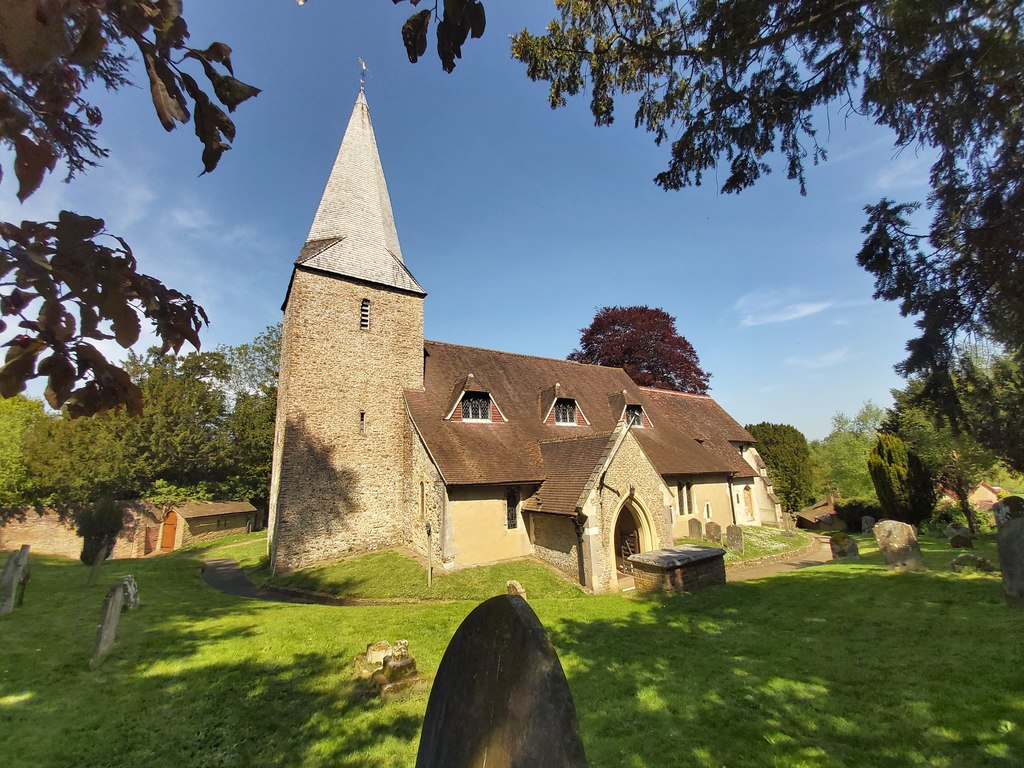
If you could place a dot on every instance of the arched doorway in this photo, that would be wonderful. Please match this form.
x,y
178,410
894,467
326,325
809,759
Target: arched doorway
x,y
627,539
170,529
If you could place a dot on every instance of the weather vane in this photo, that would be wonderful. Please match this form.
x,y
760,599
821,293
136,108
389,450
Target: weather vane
x,y
362,75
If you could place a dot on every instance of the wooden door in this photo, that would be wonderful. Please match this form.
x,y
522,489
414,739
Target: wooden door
x,y
170,528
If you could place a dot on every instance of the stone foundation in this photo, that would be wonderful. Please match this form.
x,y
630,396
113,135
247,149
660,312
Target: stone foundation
x,y
680,569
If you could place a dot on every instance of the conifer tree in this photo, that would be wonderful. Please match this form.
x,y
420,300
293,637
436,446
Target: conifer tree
x,y
903,485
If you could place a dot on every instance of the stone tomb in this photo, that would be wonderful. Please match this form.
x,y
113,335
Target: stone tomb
x,y
106,632
898,544
686,568
500,697
1011,560
713,532
695,529
734,538
14,580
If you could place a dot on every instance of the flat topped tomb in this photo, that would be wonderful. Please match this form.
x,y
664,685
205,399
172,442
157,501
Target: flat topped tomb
x,y
686,568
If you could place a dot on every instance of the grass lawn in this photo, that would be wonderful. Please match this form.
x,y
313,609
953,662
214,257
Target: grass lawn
x,y
759,542
838,665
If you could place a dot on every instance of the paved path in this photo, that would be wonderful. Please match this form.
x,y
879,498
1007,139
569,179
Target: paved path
x,y
225,574
821,553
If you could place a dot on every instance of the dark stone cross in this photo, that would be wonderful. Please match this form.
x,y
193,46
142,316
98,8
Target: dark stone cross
x,y
500,697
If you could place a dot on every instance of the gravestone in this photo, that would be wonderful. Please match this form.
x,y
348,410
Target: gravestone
x,y
106,632
1010,508
500,696
713,532
867,524
959,537
898,544
94,570
844,547
734,538
372,660
1011,560
695,529
398,669
971,561
513,587
131,592
14,580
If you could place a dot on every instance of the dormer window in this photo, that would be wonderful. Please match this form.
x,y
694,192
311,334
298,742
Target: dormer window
x,y
565,411
476,406
635,415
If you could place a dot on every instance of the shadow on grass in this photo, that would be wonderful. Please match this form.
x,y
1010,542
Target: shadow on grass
x,y
842,666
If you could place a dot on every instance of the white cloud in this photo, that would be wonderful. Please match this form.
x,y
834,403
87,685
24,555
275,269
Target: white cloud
x,y
902,173
764,308
824,360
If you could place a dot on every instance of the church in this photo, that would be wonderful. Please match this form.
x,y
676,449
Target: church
x,y
384,439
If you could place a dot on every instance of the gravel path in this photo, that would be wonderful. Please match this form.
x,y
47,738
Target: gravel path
x,y
821,553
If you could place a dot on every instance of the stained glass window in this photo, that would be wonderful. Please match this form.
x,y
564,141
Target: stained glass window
x,y
565,411
476,406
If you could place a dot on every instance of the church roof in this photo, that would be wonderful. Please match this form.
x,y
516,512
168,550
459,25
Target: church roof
x,y
353,232
690,435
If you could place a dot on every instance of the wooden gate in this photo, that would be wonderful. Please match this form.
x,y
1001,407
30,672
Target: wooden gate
x,y
170,528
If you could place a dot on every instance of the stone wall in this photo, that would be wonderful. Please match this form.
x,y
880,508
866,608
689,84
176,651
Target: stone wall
x,y
426,488
554,542
47,534
685,578
341,459
199,529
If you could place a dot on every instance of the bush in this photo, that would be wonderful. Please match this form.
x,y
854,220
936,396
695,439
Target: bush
x,y
850,511
98,524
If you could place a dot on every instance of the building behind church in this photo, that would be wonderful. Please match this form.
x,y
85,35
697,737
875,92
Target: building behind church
x,y
381,435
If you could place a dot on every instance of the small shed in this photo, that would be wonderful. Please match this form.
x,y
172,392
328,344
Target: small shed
x,y
195,521
820,517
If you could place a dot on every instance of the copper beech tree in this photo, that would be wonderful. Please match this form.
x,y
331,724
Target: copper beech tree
x,y
69,283
645,343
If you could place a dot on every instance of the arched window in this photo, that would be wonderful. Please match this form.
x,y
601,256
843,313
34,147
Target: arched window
x,y
512,510
364,315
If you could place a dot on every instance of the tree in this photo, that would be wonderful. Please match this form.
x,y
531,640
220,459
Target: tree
x,y
957,460
67,283
18,416
645,343
905,488
843,454
733,83
784,449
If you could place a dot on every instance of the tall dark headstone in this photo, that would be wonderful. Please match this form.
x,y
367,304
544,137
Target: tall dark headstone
x,y
734,538
713,532
695,529
1011,560
500,697
13,580
106,632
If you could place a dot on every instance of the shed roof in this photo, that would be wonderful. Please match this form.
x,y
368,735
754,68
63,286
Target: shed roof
x,y
192,509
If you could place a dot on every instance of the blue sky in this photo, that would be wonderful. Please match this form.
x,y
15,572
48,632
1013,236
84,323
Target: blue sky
x,y
518,220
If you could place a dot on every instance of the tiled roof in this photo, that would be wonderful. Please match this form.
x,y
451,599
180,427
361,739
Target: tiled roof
x,y
568,466
353,232
512,451
192,509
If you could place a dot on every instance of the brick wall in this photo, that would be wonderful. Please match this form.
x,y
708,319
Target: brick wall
x,y
689,577
337,490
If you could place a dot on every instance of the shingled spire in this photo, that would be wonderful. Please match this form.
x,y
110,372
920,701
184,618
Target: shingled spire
x,y
353,232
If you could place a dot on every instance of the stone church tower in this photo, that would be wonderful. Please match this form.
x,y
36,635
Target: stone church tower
x,y
352,342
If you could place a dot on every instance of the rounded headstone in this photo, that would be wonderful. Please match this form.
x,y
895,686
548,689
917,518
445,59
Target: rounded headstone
x,y
844,547
898,544
867,523
713,532
500,692
1011,560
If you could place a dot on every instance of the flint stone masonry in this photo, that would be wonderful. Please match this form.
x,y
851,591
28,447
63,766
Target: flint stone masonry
x,y
500,692
898,544
734,538
695,528
1011,561
687,568
713,532
106,632
13,580
554,542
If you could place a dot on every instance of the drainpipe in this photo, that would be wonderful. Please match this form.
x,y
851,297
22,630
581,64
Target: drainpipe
x,y
732,501
579,522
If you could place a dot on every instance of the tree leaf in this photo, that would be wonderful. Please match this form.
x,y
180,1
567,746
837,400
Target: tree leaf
x,y
167,97
477,19
31,163
219,52
126,326
20,365
414,34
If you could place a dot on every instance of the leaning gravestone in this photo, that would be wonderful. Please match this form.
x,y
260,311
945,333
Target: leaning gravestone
x,y
106,633
695,529
844,547
131,592
867,524
1011,560
713,532
94,570
1010,508
500,696
898,544
13,580
734,538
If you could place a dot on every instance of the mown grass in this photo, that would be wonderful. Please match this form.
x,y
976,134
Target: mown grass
x,y
759,542
390,575
838,665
